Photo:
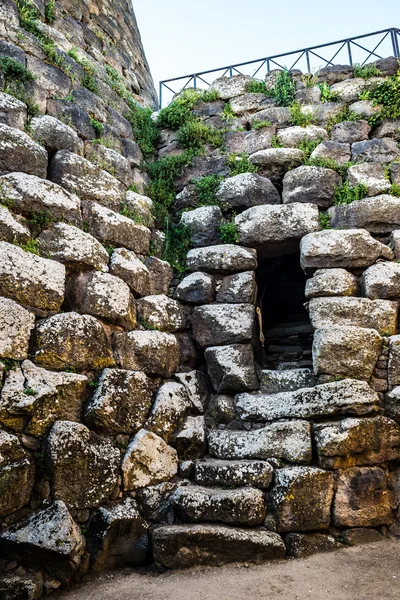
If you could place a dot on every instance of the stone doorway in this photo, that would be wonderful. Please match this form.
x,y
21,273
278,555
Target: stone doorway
x,y
286,326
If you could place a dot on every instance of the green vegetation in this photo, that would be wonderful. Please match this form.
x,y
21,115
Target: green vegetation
x,y
110,250
50,11
367,71
395,190
97,126
239,163
257,124
206,188
308,146
345,194
177,245
30,391
9,364
228,232
31,246
16,76
275,143
284,90
193,135
325,220
144,128
163,174
227,113
259,87
387,95
41,219
326,94
309,79
127,211
298,117
328,163
88,80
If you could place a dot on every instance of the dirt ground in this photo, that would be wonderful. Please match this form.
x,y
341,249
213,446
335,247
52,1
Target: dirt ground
x,y
359,573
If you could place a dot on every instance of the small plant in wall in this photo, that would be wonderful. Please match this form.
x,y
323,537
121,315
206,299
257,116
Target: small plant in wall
x,y
239,163
325,220
228,231
346,194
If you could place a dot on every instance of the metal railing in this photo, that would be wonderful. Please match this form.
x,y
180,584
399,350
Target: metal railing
x,y
348,51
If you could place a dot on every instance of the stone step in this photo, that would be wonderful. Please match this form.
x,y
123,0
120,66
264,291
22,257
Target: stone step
x,y
287,329
273,382
345,397
184,546
233,473
288,440
242,506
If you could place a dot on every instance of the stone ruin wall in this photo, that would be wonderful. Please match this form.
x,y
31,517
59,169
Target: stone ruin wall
x,y
137,422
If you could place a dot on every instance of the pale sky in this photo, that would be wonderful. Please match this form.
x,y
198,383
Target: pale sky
x,y
184,36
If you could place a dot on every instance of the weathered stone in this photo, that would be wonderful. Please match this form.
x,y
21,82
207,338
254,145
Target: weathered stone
x,y
16,325
361,535
117,537
375,150
355,442
346,351
12,111
308,95
289,380
16,474
324,113
191,441
231,87
170,407
275,162
331,282
26,585
198,389
254,140
70,340
31,280
392,400
360,312
153,352
49,539
74,116
347,249
247,103
161,275
77,250
389,128
362,498
89,181
12,227
289,440
270,226
334,73
216,324
141,206
238,289
155,501
247,190
349,89
148,460
315,185
231,368
394,360
113,229
225,258
234,473
196,288
300,545
301,498
370,174
55,135
395,173
161,313
241,506
125,264
349,132
291,137
222,409
110,161
102,295
346,397
18,152
184,546
382,281
377,215
277,115
121,402
332,150
203,224
84,466
32,398
364,109
29,195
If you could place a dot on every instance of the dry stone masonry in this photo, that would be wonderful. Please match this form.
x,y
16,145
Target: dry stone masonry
x,y
199,335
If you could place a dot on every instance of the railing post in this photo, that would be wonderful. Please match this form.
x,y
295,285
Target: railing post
x,y
160,95
268,68
395,43
230,72
194,81
308,62
349,51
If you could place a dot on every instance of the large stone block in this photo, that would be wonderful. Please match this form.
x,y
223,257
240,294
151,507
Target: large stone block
x,y
77,250
243,506
354,442
170,407
301,545
196,288
84,467
247,190
231,368
238,289
154,352
16,325
360,312
191,439
291,137
382,281
350,89
90,182
234,473
148,460
394,360
55,135
289,440
203,224
346,397
362,498
334,151
125,264
301,498
346,351
18,152
375,150
288,380
231,87
275,162
32,398
31,280
351,131
16,475
379,214
13,228
331,282
161,313
13,112
161,275
332,248
115,230
120,403
370,174
314,185
184,546
216,324
225,258
70,340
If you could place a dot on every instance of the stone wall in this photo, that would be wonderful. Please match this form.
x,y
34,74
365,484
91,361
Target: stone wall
x,y
137,422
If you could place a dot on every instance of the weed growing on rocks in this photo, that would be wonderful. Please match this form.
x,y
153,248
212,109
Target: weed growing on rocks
x,y
325,220
228,232
239,163
16,76
345,194
97,126
163,174
31,246
206,188
387,95
177,245
298,117
50,11
284,90
326,94
308,146
195,134
367,71
256,124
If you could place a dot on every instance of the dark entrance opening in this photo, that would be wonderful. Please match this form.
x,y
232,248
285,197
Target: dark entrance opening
x,y
286,326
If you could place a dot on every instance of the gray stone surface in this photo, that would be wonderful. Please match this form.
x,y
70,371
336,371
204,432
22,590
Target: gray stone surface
x,y
13,112
331,282
203,224
126,265
349,132
154,352
196,288
233,473
289,380
231,87
238,289
247,190
275,162
216,324
170,407
375,150
16,325
379,214
161,313
161,275
13,228
18,152
231,368
55,135
191,440
291,137
301,545
224,258
16,474
310,184
370,174
338,152
394,360
382,281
